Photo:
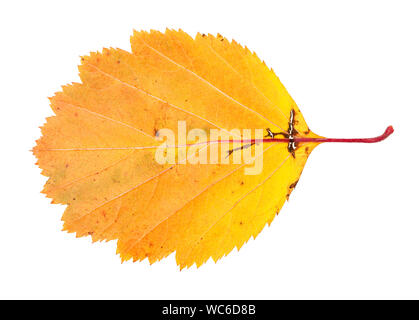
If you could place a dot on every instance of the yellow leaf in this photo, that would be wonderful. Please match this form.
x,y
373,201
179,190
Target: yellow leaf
x,y
99,150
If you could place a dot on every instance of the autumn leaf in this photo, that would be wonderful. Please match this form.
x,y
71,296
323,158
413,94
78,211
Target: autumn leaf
x,y
99,150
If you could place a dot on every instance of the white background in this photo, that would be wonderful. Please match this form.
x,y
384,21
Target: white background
x,y
351,228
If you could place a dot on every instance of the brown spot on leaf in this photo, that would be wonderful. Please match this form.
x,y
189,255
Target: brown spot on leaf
x,y
293,185
291,188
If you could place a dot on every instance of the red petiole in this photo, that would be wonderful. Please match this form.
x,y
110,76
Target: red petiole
x,y
297,139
